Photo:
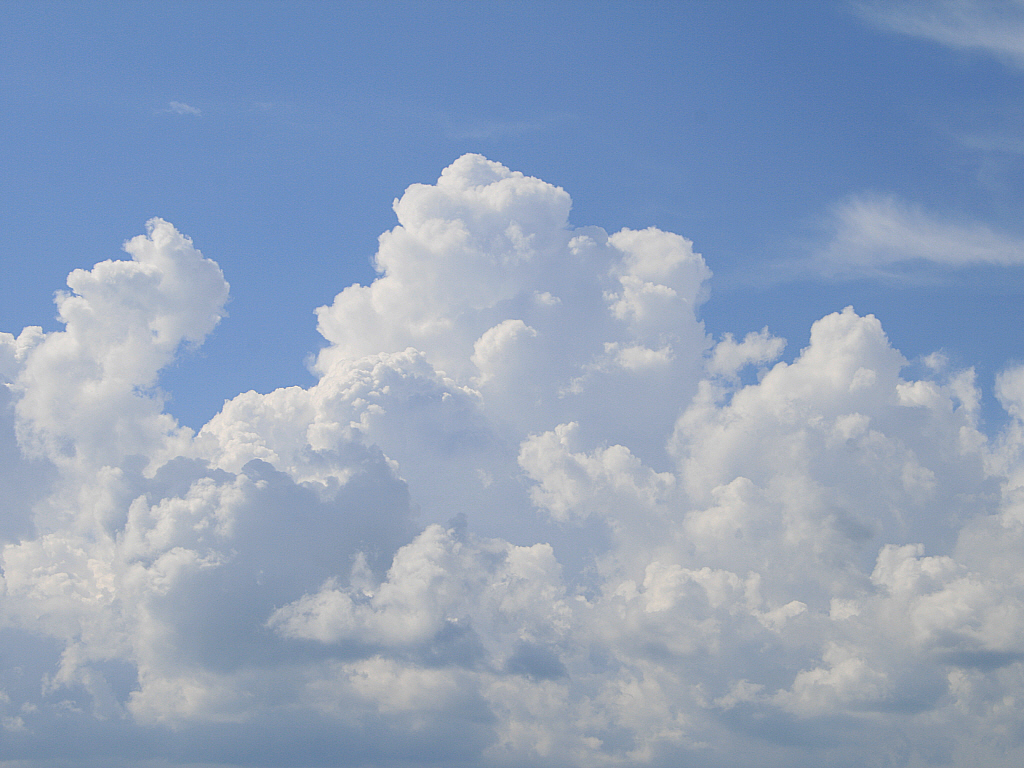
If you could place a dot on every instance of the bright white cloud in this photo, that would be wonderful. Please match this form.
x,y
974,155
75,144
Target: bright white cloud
x,y
729,356
883,235
994,27
528,514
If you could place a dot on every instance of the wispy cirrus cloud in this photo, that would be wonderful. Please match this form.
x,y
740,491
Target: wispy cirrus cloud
x,y
996,28
181,108
883,235
992,141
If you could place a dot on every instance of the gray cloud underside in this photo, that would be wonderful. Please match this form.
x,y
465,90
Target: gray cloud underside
x,y
529,514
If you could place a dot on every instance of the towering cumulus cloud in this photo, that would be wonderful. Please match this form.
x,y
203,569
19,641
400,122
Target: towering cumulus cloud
x,y
529,514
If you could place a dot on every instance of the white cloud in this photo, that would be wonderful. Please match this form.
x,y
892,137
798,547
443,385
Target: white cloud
x,y
882,235
86,394
730,356
996,28
181,108
528,514
993,142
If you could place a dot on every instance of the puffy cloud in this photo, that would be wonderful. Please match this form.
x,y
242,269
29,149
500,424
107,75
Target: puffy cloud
x,y
529,513
729,357
87,394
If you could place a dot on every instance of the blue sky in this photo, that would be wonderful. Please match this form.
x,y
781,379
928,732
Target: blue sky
x,y
598,383
739,125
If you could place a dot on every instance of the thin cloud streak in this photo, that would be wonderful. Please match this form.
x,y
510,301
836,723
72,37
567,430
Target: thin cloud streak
x,y
877,234
181,108
994,28
993,142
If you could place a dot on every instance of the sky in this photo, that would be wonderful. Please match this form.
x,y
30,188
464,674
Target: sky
x,y
511,384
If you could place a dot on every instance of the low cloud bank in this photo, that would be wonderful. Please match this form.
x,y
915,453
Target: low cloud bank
x,y
530,514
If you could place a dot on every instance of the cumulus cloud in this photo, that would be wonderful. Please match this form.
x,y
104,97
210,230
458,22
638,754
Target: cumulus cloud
x,y
882,235
993,27
529,513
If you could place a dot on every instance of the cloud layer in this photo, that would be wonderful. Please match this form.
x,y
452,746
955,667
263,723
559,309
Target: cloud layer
x,y
529,514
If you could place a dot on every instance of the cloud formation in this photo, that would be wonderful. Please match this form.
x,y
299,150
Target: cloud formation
x,y
881,235
529,514
996,28
181,108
